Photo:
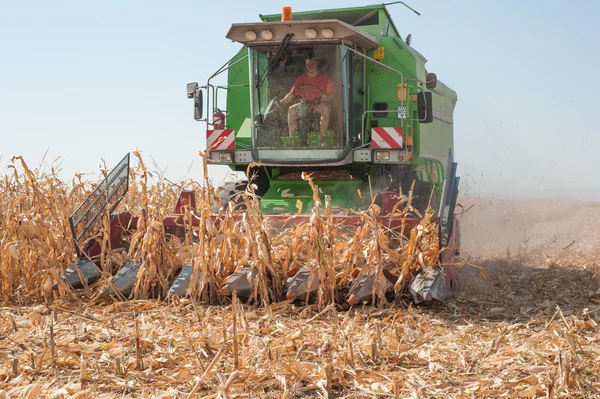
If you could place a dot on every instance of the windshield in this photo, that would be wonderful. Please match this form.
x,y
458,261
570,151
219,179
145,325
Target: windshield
x,y
297,103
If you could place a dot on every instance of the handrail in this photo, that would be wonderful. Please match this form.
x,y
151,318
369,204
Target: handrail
x,y
362,120
373,60
219,71
439,172
226,88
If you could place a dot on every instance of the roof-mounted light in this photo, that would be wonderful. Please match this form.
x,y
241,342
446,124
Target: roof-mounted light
x,y
339,29
310,33
327,33
286,13
266,34
250,35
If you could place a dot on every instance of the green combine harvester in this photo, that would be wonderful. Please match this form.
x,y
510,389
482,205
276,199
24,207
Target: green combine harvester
x,y
335,94
340,95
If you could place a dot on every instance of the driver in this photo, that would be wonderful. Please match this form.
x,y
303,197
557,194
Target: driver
x,y
317,89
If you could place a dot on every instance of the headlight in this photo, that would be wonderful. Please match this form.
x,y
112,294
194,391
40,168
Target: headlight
x,y
327,33
266,34
250,35
382,156
310,33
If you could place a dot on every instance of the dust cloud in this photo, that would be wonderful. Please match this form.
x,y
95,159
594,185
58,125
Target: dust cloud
x,y
533,230
538,255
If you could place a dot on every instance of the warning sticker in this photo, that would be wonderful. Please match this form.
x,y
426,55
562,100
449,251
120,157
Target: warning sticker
x,y
379,53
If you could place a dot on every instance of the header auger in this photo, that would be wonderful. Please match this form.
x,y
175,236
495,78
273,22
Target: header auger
x,y
342,132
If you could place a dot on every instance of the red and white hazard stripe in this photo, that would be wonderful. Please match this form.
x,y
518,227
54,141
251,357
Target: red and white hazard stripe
x,y
386,137
220,140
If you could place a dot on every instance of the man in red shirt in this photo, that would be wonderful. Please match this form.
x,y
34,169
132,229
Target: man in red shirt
x,y
313,87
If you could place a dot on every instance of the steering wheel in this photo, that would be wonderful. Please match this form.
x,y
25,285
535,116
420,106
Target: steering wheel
x,y
303,99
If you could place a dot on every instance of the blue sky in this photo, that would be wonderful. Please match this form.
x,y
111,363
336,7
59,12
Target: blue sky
x,y
88,81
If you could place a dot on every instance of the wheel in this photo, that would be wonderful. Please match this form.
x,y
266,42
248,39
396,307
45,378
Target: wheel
x,y
236,195
302,87
232,191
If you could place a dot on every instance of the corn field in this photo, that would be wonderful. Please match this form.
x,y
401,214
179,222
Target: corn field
x,y
37,243
528,332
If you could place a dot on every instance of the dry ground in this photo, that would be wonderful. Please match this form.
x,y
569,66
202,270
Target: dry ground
x,y
528,330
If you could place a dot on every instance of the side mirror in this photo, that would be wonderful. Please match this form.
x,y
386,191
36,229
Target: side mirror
x,y
196,94
191,89
431,80
198,105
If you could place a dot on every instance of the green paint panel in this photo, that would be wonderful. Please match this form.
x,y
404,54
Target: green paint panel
x,y
283,195
238,96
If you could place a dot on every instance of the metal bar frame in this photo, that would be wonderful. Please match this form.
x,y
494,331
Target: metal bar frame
x,y
104,185
373,60
211,88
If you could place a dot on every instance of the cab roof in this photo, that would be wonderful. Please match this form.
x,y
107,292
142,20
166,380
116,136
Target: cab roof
x,y
355,16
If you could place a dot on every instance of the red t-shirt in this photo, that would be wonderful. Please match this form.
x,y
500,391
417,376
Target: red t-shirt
x,y
304,86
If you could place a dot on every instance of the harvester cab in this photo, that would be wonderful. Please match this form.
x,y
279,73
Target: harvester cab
x,y
323,91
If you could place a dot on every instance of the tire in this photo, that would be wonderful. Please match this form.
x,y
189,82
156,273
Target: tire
x,y
236,197
224,193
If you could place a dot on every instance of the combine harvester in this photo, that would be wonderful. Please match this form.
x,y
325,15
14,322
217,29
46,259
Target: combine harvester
x,y
336,94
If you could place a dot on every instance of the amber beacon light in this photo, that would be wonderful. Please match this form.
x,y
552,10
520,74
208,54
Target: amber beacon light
x,y
286,13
